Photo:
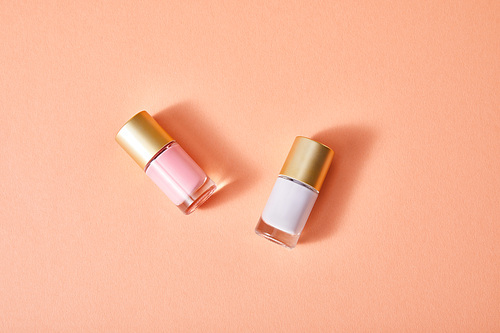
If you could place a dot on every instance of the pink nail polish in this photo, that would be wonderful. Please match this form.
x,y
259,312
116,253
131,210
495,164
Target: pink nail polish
x,y
165,162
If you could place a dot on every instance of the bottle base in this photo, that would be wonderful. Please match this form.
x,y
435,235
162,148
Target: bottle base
x,y
197,198
276,235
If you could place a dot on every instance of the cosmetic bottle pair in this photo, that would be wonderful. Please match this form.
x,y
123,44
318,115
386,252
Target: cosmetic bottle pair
x,y
187,186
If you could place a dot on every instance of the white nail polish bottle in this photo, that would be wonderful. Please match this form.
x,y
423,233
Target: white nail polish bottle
x,y
295,192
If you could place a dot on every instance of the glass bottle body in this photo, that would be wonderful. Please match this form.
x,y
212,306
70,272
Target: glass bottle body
x,y
286,211
180,178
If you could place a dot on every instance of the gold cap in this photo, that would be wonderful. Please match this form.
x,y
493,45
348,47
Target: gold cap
x,y
308,161
142,138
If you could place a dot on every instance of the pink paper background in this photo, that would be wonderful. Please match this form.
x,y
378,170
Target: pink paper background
x,y
405,236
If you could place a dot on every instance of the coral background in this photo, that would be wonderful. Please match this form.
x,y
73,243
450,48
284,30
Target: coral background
x,y
405,235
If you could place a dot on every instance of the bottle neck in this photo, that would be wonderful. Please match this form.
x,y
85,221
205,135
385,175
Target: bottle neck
x,y
298,182
158,153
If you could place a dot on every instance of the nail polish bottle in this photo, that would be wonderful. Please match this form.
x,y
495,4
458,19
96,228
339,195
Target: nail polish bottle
x,y
295,192
165,162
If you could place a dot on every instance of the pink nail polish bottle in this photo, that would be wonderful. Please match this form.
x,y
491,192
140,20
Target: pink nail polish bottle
x,y
165,162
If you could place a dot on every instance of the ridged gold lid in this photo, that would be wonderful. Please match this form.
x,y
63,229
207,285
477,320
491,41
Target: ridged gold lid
x,y
142,137
308,161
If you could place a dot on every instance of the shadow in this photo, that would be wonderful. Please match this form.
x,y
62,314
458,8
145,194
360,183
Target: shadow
x,y
352,145
199,137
